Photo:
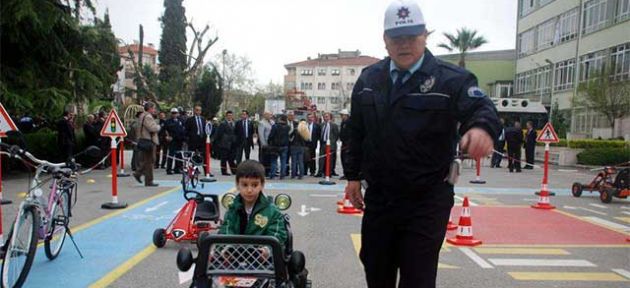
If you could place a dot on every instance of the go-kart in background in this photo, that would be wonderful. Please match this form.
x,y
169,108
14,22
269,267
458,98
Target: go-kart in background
x,y
118,250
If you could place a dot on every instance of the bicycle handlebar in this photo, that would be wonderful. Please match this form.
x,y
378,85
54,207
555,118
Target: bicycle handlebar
x,y
17,152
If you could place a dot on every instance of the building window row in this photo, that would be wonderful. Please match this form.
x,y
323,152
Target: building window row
x,y
552,32
564,73
528,6
324,71
306,86
615,59
599,14
307,72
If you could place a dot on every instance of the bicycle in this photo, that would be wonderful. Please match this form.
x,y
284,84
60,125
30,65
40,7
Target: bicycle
x,y
190,169
40,217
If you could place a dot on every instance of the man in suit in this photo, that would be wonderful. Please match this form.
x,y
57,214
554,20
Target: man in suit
x,y
329,131
196,132
514,139
245,136
148,129
65,135
226,143
311,144
530,145
499,147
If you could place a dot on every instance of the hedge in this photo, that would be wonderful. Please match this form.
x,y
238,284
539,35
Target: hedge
x,y
604,156
43,144
590,143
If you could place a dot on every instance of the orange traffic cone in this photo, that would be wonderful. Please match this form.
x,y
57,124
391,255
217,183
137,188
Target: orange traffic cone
x,y
450,226
347,208
543,200
464,231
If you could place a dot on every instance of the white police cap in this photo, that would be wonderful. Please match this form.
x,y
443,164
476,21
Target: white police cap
x,y
404,18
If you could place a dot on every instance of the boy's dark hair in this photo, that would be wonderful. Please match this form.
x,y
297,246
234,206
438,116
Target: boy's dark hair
x,y
250,169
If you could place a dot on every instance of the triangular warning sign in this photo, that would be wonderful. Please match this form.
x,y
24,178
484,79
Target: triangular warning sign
x,y
113,127
548,135
6,123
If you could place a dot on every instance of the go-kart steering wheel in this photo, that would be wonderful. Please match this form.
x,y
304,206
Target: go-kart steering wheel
x,y
195,195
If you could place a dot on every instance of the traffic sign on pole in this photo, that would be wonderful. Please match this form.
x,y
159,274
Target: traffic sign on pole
x,y
113,127
6,124
548,134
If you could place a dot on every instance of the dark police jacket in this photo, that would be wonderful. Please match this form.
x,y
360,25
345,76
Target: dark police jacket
x,y
408,142
175,129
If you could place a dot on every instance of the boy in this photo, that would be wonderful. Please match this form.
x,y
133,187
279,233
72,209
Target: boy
x,y
252,213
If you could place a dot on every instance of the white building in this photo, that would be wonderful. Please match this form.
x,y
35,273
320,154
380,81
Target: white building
x,y
566,42
327,80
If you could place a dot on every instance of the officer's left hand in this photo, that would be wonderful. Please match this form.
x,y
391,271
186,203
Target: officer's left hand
x,y
477,143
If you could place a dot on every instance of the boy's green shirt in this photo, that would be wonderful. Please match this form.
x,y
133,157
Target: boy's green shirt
x,y
266,219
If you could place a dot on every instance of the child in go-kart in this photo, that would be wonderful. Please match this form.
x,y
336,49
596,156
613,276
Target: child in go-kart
x,y
252,213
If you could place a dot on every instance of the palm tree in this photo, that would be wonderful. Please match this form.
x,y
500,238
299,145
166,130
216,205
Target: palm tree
x,y
464,41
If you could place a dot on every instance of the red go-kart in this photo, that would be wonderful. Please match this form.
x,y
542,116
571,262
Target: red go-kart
x,y
199,215
607,184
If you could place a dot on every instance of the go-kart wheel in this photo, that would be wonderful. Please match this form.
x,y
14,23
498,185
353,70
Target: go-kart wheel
x,y
184,259
576,189
159,238
622,181
606,195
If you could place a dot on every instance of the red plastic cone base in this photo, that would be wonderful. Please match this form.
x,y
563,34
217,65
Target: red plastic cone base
x,y
463,242
543,206
450,226
477,181
340,202
348,210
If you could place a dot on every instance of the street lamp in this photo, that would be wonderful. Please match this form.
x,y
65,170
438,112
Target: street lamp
x,y
553,75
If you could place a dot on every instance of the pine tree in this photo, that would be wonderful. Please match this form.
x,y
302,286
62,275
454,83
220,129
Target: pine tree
x,y
172,56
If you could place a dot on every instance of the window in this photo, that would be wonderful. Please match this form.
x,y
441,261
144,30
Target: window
x,y
620,62
567,25
335,86
623,10
564,73
527,6
351,71
321,72
309,86
544,2
591,64
542,83
546,33
321,100
526,42
594,15
335,100
321,86
524,82
349,86
335,72
307,72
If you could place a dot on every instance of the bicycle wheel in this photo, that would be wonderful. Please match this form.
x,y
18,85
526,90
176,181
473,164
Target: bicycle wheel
x,y
57,232
195,178
21,248
185,179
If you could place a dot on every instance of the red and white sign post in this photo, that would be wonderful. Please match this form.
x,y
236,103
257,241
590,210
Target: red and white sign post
x,y
6,124
122,159
478,180
327,180
547,135
113,128
209,176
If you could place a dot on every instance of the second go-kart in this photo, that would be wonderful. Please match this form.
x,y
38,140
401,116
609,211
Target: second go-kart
x,y
231,261
607,186
199,215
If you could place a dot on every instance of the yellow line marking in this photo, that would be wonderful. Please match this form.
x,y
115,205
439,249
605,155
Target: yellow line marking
x,y
124,268
356,242
588,221
22,194
522,251
624,219
445,246
566,276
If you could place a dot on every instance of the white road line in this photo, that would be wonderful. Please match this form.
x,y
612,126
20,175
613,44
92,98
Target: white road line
x,y
622,272
323,195
186,276
569,207
476,258
567,170
598,206
541,262
156,207
625,212
607,223
625,207
469,202
593,211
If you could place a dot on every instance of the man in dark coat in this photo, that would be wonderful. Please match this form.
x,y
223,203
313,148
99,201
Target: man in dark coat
x,y
499,146
244,136
66,139
530,145
514,139
329,131
196,132
311,145
176,134
344,136
226,143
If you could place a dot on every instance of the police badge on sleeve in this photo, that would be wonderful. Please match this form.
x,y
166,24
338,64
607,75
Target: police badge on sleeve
x,y
476,92
427,85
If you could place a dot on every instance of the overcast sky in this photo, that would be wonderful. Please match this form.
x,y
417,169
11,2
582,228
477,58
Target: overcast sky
x,y
273,33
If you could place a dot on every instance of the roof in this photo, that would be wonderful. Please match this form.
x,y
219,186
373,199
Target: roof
x,y
135,48
354,61
509,54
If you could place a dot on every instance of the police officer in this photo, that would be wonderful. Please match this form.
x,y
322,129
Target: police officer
x,y
344,135
405,111
177,134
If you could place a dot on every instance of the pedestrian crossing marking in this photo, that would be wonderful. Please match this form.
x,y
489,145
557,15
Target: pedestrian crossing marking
x,y
356,242
522,251
567,276
624,219
541,262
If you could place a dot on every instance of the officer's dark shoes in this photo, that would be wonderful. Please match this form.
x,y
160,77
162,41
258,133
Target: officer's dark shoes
x,y
151,185
169,172
137,177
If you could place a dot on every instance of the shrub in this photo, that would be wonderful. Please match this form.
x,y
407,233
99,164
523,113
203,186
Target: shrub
x,y
604,156
590,143
43,144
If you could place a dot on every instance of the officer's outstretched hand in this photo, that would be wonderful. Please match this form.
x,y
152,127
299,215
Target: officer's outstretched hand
x,y
353,190
477,143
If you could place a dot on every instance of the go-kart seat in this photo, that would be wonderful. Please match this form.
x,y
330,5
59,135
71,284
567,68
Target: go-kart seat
x,y
207,211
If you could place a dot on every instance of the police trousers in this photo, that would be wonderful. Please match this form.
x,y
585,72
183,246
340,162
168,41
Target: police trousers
x,y
403,234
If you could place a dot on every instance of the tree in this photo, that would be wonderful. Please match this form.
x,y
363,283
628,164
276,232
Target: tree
x,y
172,54
605,95
560,120
237,75
464,41
209,91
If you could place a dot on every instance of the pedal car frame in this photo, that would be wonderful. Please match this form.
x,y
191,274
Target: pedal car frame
x,y
197,216
606,185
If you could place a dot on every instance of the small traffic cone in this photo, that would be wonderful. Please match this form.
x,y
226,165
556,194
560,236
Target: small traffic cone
x,y
464,231
347,207
450,226
543,200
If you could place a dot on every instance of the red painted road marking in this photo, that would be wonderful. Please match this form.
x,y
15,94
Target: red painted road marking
x,y
522,225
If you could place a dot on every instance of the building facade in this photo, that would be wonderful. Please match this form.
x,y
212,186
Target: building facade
x,y
328,80
494,70
125,86
562,43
